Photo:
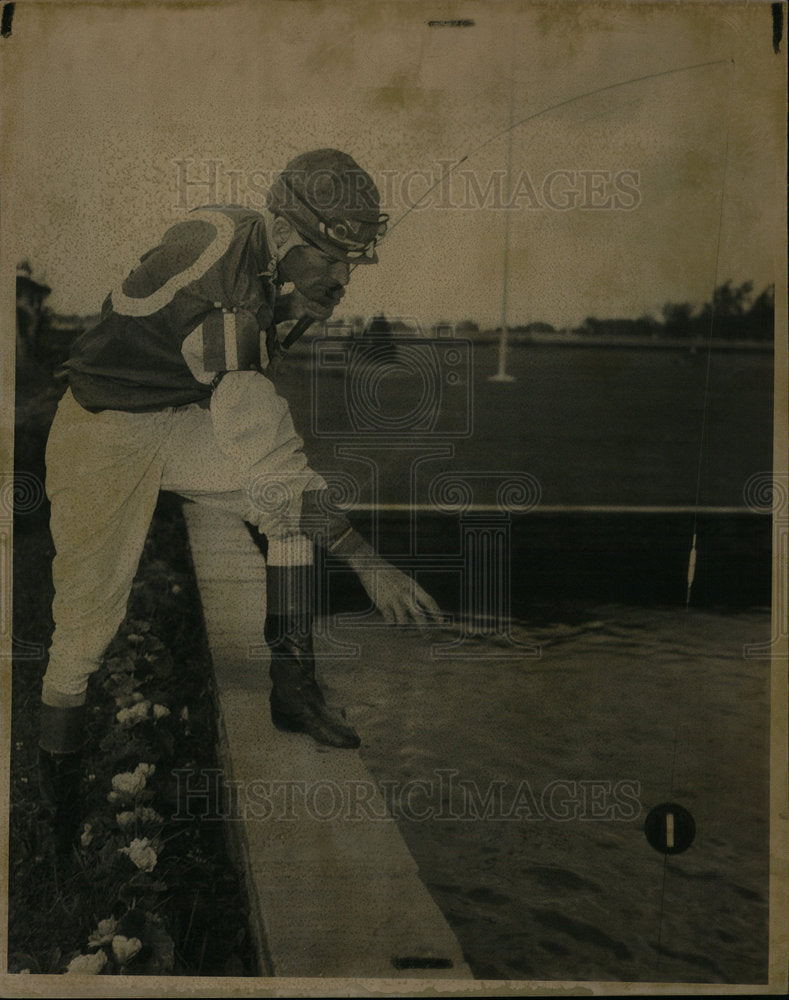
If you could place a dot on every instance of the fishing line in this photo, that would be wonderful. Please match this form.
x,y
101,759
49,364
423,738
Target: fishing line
x,y
705,410
501,375
691,573
303,324
545,111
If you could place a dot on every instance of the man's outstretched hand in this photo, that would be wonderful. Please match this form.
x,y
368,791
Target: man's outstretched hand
x,y
400,599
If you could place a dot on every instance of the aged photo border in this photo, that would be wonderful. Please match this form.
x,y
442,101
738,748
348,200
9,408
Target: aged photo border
x,y
177,986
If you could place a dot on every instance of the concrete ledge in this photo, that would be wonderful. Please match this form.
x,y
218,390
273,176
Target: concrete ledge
x,y
334,891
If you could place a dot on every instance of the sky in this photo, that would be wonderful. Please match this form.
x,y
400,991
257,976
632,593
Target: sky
x,y
120,117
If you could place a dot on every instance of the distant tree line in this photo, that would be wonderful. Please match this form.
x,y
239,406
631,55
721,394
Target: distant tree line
x,y
734,314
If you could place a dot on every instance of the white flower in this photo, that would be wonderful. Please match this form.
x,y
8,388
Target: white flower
x,y
104,933
131,716
133,639
175,589
131,783
160,711
86,835
87,965
138,696
125,819
184,716
128,783
124,949
141,853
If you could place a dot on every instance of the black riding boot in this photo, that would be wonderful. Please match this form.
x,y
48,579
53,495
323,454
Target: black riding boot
x,y
59,770
297,702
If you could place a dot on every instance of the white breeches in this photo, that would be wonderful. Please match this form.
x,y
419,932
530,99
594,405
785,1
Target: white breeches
x,y
104,474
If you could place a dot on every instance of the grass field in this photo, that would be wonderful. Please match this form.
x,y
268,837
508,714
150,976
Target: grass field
x,y
593,426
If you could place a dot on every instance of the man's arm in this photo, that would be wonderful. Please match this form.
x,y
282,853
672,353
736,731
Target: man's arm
x,y
397,596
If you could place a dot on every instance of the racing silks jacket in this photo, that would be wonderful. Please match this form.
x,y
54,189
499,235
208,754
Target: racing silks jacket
x,y
197,304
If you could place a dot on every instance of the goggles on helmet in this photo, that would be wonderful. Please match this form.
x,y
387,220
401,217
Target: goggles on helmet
x,y
355,237
362,255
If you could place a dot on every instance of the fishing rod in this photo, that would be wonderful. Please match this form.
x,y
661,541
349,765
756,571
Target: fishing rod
x,y
278,350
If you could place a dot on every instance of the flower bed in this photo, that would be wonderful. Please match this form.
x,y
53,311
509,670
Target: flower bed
x,y
148,889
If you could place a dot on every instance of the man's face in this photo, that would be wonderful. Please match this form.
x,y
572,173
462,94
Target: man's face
x,y
315,274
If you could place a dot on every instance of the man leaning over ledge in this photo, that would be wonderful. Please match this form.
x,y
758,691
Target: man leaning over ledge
x,y
169,391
